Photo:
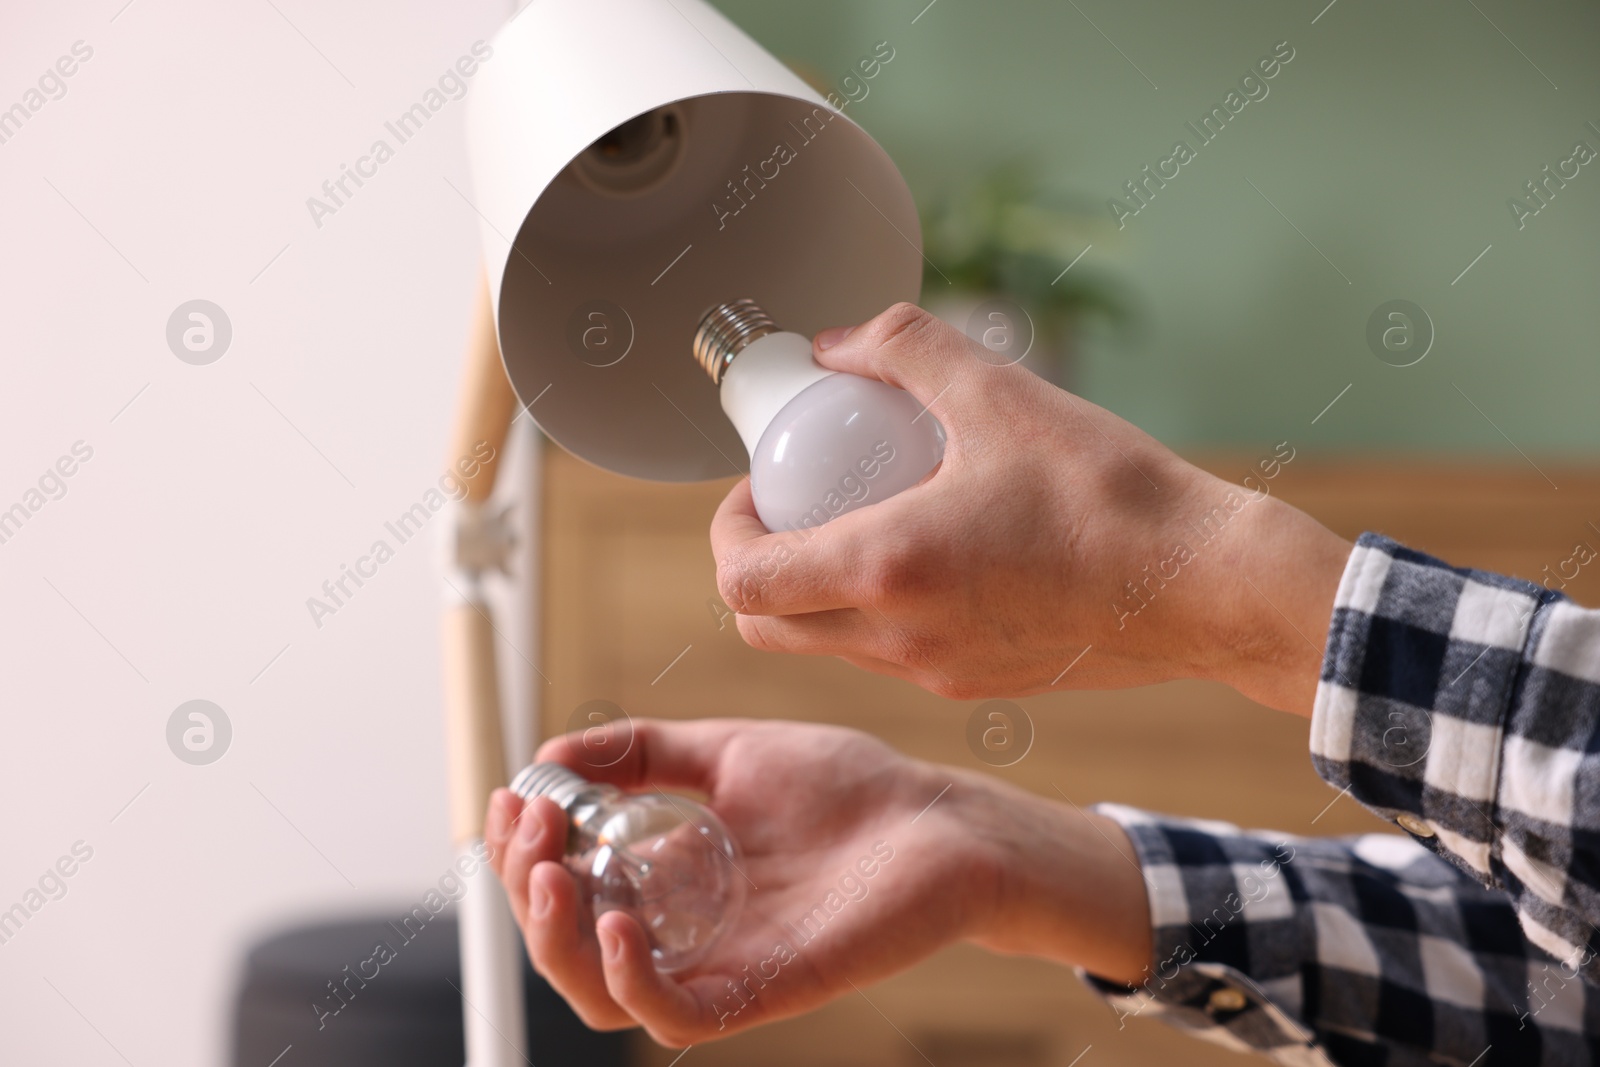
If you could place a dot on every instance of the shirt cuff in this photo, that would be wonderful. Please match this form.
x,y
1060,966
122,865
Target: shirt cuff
x,y
1421,664
1226,974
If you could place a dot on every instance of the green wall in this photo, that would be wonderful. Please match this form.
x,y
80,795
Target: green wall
x,y
1393,140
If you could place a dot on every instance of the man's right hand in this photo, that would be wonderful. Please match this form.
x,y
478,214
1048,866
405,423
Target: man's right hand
x,y
993,576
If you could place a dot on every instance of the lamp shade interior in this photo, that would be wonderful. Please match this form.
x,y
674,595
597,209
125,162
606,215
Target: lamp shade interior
x,y
699,202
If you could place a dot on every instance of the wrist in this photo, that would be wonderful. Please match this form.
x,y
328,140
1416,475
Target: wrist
x,y
1059,882
1271,604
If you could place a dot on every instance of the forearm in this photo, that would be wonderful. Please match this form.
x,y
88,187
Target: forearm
x,y
1067,886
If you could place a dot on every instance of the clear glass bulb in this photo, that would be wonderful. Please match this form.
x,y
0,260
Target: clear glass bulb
x,y
821,442
665,860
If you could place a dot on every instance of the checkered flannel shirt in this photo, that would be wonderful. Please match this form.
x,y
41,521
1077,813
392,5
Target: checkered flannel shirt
x,y
1464,707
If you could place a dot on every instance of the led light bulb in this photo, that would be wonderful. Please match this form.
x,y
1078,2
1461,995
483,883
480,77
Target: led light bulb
x,y
821,442
665,860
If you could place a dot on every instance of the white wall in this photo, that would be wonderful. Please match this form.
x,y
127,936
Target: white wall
x,y
178,563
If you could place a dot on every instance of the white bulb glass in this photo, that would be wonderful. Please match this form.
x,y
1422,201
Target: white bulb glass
x,y
821,442
843,443
667,861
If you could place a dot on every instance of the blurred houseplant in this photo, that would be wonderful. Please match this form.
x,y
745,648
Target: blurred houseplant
x,y
997,253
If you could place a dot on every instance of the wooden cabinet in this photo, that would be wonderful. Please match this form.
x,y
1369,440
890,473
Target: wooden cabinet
x,y
631,615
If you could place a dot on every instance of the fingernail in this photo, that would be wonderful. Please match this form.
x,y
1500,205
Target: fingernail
x,y
832,336
539,900
530,829
610,944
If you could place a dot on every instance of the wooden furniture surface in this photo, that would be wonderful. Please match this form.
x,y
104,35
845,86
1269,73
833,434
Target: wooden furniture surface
x,y
631,615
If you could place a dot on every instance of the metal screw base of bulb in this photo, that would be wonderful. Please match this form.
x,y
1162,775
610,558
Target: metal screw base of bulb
x,y
725,330
552,780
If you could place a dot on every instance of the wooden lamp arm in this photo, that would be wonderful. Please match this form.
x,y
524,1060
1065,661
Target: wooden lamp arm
x,y
486,404
484,413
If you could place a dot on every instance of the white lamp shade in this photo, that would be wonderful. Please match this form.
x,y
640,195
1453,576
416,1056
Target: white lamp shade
x,y
606,242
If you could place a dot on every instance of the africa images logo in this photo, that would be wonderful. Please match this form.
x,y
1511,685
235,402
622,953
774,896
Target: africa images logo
x,y
1253,87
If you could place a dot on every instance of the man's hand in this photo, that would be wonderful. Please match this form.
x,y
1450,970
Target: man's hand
x,y
1052,531
859,862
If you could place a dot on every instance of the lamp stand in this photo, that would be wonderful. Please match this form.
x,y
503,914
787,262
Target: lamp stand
x,y
478,542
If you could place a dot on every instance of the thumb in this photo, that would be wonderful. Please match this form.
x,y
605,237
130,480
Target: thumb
x,y
905,347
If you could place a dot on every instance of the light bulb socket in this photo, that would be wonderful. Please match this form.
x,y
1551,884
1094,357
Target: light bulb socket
x,y
636,157
552,780
725,330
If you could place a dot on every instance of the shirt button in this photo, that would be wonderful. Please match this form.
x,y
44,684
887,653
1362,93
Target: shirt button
x,y
1411,824
1226,999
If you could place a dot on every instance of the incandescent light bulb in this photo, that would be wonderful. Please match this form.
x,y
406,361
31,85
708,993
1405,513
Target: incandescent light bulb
x,y
665,860
821,442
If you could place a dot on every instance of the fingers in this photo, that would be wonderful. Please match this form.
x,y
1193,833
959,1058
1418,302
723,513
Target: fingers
x,y
736,521
563,951
527,834
908,348
659,754
528,840
844,632
604,972
504,805
671,1013
761,573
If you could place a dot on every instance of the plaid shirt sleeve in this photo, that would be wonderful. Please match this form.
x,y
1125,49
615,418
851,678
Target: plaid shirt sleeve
x,y
1352,951
1465,707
